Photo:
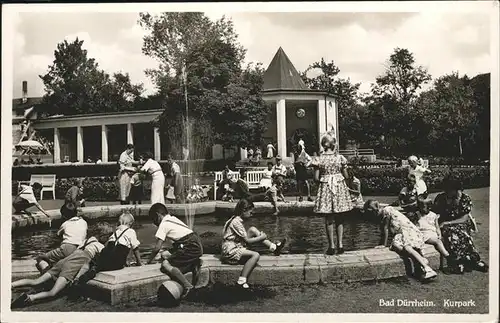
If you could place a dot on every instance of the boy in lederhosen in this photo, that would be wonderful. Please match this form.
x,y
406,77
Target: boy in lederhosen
x,y
187,248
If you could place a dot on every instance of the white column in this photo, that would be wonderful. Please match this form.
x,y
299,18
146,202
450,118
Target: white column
x,y
321,120
79,144
157,143
130,134
104,143
281,127
57,147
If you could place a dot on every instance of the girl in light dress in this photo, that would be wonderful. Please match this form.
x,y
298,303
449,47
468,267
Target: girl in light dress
x,y
266,181
418,171
407,237
429,226
236,238
333,198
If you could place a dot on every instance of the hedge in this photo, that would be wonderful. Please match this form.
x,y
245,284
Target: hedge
x,y
24,172
383,181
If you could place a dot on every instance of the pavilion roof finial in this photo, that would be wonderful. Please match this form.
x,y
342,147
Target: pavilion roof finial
x,y
282,75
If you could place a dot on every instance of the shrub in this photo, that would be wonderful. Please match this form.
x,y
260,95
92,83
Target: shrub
x,y
381,181
24,172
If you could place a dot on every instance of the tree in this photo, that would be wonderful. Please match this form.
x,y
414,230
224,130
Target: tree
x,y
346,94
202,80
451,109
74,84
402,79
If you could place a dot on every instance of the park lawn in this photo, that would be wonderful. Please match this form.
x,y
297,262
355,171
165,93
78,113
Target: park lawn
x,y
329,298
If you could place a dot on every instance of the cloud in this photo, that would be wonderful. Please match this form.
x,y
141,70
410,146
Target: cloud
x,y
359,43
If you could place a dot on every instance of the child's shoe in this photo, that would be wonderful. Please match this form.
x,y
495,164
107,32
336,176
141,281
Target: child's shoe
x,y
243,285
300,199
330,251
429,273
481,266
310,199
22,301
279,247
340,251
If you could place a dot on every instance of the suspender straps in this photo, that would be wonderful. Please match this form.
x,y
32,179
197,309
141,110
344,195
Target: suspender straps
x,y
87,243
121,234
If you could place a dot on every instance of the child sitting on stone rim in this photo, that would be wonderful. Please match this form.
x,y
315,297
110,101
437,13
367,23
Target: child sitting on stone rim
x,y
187,247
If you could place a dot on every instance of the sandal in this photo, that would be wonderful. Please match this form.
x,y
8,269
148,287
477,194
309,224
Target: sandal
x,y
330,251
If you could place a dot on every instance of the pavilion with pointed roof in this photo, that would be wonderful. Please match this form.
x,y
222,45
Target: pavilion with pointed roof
x,y
300,112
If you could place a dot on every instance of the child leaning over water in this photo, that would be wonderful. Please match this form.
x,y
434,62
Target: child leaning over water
x,y
236,237
187,248
429,226
73,232
407,237
66,271
117,248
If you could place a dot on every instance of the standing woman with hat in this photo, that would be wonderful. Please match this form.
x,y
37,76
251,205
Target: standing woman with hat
x,y
125,173
333,199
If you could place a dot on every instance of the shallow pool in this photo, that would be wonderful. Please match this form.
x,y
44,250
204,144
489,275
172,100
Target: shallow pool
x,y
304,233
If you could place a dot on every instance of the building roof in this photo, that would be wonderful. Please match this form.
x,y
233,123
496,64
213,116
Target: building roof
x,y
282,75
18,103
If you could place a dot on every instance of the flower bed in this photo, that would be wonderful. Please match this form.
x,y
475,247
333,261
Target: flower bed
x,y
374,181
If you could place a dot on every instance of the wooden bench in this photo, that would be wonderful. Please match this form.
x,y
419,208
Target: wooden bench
x,y
425,163
218,178
47,181
253,178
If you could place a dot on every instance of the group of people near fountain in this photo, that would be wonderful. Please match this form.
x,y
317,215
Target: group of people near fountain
x,y
446,223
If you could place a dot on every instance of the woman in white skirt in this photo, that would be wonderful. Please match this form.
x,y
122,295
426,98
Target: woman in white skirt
x,y
153,168
125,173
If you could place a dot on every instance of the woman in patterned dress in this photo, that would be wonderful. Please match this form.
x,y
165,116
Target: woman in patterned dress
x,y
454,208
125,173
333,199
407,237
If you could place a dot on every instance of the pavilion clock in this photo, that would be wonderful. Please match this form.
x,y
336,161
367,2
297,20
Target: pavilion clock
x,y
300,113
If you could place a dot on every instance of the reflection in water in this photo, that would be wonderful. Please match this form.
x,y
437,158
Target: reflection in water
x,y
304,234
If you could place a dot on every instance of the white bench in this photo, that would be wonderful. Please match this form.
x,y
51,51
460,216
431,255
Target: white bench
x,y
425,163
253,178
218,178
48,183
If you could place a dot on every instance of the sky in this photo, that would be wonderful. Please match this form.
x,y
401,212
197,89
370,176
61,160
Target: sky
x,y
359,43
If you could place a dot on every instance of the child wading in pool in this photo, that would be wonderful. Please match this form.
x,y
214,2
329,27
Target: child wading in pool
x,y
236,237
429,226
187,248
407,237
66,271
73,232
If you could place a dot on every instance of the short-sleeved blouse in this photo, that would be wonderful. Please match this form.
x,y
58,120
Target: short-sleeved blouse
x,y
449,212
329,163
235,230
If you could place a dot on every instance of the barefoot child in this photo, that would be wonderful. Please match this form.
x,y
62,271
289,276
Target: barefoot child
x,y
187,248
429,226
26,199
66,271
73,232
236,237
407,237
